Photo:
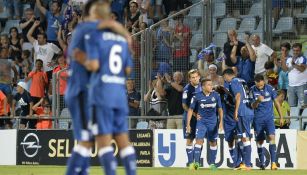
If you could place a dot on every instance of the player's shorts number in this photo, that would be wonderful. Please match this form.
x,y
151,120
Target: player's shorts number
x,y
115,61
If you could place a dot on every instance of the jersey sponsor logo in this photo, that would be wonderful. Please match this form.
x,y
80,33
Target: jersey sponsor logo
x,y
113,79
30,145
212,105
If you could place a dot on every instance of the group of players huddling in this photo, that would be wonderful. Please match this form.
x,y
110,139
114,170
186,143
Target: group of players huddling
x,y
96,97
233,108
100,60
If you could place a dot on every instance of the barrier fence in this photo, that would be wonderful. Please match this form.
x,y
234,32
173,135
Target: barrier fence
x,y
154,148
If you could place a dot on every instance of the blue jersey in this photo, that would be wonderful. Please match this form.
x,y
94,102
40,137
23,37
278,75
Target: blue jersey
x,y
79,76
238,85
188,92
207,106
107,85
246,70
228,105
265,108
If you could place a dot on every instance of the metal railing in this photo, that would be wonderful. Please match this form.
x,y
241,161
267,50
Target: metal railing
x,y
302,123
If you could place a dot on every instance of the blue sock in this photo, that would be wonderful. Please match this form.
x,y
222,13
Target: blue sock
x,y
129,160
272,149
107,160
260,154
197,153
213,152
247,153
190,153
240,153
79,161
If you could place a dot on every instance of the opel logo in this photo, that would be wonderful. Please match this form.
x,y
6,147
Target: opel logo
x,y
30,145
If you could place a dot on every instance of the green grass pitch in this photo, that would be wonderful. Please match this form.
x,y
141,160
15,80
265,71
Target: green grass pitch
x,y
60,170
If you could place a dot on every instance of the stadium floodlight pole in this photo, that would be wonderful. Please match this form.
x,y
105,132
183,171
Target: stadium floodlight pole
x,y
177,13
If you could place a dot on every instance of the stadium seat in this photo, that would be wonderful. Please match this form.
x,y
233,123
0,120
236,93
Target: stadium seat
x,y
241,36
142,125
219,10
255,11
260,26
64,123
220,39
196,41
196,11
226,24
247,24
284,24
9,24
302,15
192,23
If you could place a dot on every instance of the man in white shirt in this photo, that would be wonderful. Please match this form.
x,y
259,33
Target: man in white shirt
x,y
296,66
263,53
43,50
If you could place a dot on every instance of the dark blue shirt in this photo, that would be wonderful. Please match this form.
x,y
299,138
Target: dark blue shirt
x,y
79,76
228,105
265,108
134,96
112,52
188,92
238,85
24,101
207,106
246,70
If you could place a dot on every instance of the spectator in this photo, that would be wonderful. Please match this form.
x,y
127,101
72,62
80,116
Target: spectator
x,y
181,41
132,20
6,66
39,81
283,80
54,19
296,66
245,63
62,79
15,43
263,52
25,25
228,47
43,50
205,59
163,48
134,98
43,109
285,111
4,111
14,8
143,26
63,39
23,98
119,7
216,79
4,42
26,63
271,77
173,91
157,102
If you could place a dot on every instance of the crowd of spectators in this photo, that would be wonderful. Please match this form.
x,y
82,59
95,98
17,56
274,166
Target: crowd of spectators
x,y
29,58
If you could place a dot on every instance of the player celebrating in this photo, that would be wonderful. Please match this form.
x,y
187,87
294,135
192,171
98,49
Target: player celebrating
x,y
110,62
77,90
230,124
243,114
263,96
188,92
208,104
